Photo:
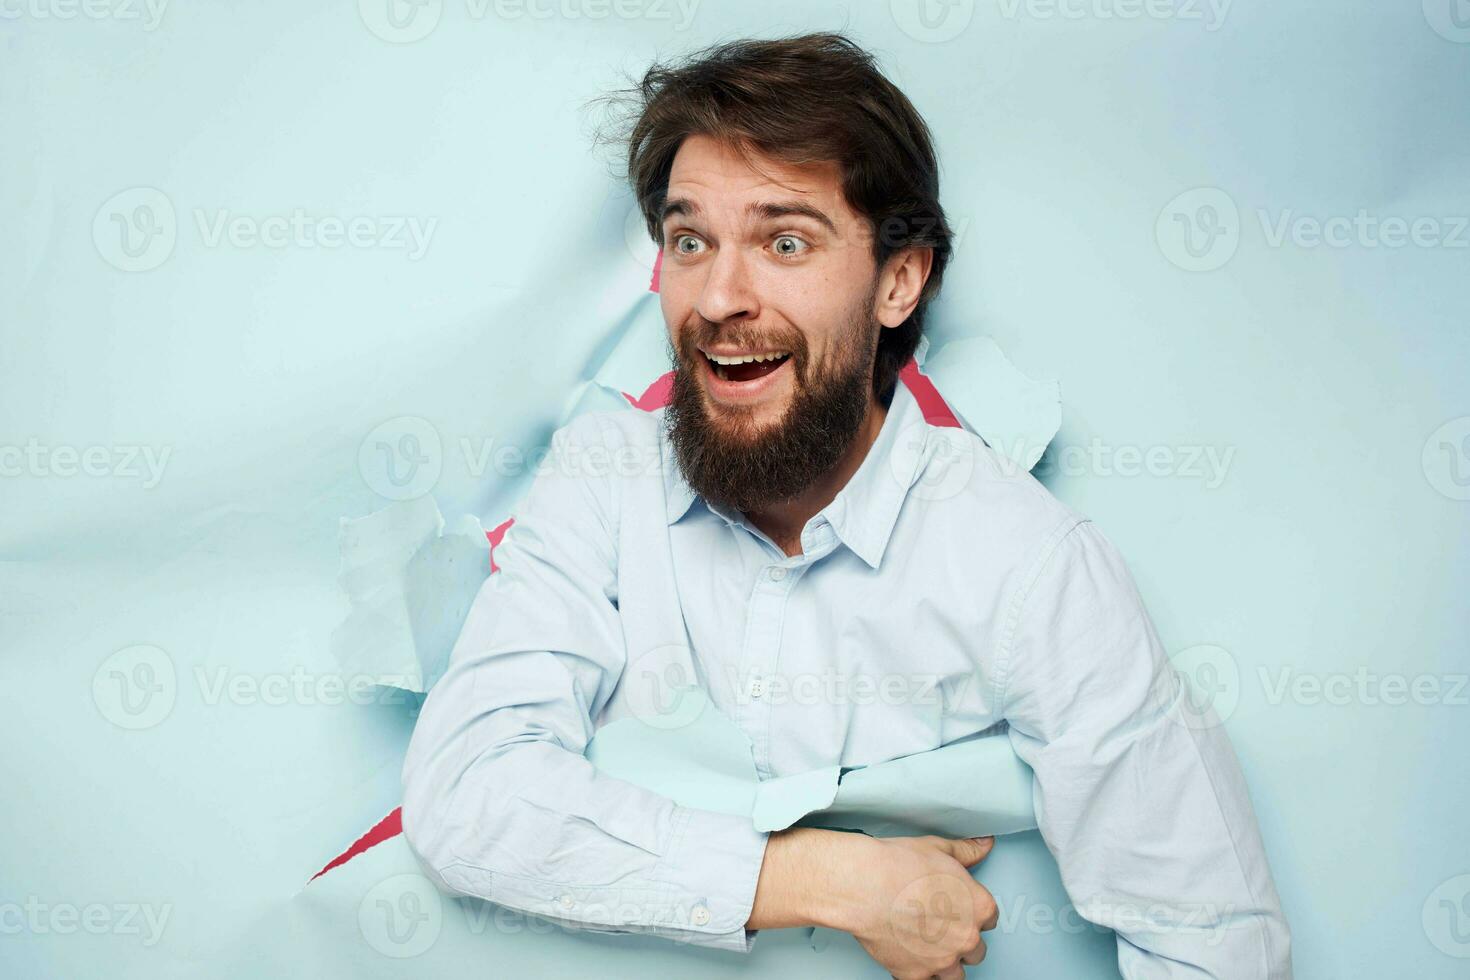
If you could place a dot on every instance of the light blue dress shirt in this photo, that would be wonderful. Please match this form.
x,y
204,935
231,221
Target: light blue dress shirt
x,y
942,593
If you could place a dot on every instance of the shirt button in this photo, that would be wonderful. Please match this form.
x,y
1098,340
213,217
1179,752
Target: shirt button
x,y
757,688
700,915
776,573
565,901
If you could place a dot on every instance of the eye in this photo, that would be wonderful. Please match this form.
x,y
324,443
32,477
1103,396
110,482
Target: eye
x,y
680,240
789,245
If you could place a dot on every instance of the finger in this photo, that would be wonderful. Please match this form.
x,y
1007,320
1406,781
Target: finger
x,y
970,851
955,972
974,956
987,912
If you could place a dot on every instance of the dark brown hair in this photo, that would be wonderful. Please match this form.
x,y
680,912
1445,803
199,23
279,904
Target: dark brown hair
x,y
802,100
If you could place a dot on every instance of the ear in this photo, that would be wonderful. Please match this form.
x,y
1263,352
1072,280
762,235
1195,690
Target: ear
x,y
901,282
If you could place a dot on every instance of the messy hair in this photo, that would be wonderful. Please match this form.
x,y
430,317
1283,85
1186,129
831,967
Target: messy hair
x,y
803,100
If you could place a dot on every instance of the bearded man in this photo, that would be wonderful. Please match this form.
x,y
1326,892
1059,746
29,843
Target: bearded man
x,y
804,519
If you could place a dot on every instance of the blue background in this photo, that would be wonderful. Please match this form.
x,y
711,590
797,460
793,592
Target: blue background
x,y
1075,145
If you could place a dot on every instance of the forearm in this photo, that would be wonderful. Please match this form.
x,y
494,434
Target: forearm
x,y
809,877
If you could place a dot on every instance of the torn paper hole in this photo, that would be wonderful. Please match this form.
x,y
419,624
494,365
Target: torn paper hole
x,y
410,580
1016,416
970,788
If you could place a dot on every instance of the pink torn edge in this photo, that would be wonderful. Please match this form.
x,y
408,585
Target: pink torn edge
x,y
936,412
386,829
495,535
392,825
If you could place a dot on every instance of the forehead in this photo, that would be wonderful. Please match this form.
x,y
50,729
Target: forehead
x,y
716,175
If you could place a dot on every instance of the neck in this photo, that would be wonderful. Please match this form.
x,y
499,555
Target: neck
x,y
783,522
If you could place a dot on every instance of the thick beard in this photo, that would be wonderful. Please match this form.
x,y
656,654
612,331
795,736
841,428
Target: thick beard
x,y
732,466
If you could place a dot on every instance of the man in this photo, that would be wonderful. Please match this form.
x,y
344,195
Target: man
x,y
804,519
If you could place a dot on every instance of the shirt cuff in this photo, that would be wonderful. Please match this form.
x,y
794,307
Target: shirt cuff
x,y
712,867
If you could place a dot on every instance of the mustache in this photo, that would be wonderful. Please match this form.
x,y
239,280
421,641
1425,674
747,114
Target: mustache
x,y
706,333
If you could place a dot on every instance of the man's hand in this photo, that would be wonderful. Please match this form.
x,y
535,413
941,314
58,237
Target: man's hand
x,y
924,913
910,901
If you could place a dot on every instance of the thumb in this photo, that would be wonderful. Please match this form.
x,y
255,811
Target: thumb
x,y
970,851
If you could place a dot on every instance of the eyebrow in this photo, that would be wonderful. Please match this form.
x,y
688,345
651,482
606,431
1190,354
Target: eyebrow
x,y
764,211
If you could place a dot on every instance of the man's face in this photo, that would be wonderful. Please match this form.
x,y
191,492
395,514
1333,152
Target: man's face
x,y
772,268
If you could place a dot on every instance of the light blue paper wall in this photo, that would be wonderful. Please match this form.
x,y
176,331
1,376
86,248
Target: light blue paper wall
x,y
1302,401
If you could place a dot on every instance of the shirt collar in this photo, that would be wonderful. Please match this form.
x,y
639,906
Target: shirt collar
x,y
864,511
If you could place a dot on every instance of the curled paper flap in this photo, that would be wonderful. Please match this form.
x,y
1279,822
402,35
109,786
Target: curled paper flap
x,y
410,581
590,396
1016,416
636,351
921,351
972,788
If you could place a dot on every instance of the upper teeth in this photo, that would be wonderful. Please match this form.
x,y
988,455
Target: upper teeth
x,y
746,359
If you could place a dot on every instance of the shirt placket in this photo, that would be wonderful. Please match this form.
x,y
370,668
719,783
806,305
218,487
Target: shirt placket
x,y
765,620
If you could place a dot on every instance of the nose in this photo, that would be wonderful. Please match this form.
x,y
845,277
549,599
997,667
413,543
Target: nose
x,y
728,292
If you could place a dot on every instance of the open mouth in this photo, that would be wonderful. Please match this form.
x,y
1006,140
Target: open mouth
x,y
750,367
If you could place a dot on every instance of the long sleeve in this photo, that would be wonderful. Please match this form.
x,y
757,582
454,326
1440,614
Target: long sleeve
x,y
499,802
1141,801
